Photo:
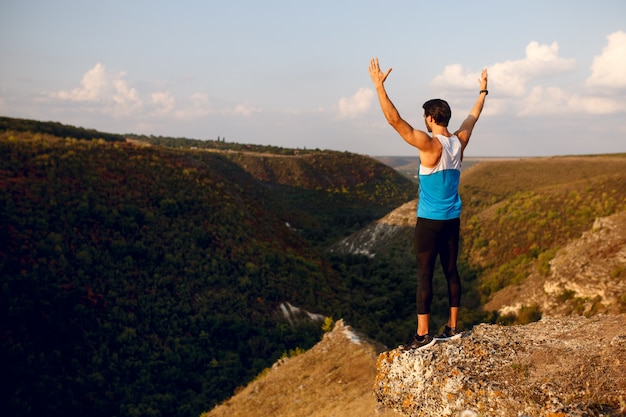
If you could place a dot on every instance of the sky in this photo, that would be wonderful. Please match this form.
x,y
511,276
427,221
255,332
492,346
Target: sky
x,y
295,74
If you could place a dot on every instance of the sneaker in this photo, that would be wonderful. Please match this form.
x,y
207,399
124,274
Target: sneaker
x,y
449,333
419,342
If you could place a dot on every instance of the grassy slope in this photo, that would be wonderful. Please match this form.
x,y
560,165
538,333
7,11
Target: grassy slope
x,y
517,213
334,378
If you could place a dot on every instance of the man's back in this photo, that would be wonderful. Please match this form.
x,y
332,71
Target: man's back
x,y
438,193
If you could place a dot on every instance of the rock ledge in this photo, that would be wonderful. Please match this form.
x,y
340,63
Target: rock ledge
x,y
556,367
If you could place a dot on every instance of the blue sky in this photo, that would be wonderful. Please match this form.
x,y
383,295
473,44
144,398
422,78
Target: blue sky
x,y
294,74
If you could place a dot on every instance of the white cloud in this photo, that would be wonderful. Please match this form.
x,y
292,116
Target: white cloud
x,y
110,93
609,69
198,107
518,86
545,101
93,86
510,78
244,109
105,87
455,76
608,74
125,97
165,103
554,100
597,105
356,105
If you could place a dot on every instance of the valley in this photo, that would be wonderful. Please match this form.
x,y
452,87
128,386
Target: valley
x,y
150,277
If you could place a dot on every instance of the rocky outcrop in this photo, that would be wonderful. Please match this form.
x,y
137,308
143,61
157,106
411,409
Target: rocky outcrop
x,y
586,276
591,269
556,367
369,240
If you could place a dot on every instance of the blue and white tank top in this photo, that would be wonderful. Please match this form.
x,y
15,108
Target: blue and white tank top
x,y
439,186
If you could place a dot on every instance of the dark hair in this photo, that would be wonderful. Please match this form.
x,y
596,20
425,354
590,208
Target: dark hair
x,y
439,110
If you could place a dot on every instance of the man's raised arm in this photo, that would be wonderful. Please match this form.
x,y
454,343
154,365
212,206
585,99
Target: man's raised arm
x,y
465,131
417,138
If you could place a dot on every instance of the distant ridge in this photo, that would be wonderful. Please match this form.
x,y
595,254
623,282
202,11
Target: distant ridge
x,y
55,129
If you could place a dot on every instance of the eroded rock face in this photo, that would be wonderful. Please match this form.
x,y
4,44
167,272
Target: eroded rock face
x,y
587,276
572,366
592,267
369,240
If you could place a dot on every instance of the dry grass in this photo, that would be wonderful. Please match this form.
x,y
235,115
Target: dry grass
x,y
334,378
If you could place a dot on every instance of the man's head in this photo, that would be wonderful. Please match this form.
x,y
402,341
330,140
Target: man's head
x,y
439,110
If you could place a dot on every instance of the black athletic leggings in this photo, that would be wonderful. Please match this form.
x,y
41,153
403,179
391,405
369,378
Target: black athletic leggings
x,y
432,238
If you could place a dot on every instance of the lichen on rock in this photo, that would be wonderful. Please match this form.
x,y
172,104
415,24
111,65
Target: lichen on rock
x,y
572,366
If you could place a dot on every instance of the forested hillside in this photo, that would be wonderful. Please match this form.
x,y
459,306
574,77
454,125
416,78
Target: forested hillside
x,y
328,194
517,214
56,129
147,280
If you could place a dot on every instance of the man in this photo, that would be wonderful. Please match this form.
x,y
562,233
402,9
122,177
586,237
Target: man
x,y
439,204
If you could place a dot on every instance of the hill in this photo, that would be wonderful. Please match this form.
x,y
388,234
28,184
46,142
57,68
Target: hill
x,y
585,276
154,280
518,214
328,194
144,280
55,129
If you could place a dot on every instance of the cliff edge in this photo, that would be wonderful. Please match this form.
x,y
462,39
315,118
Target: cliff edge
x,y
332,379
557,367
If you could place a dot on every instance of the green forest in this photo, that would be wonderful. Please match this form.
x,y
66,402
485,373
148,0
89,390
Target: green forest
x,y
143,276
146,280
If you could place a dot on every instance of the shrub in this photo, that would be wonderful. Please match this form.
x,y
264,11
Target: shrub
x,y
528,314
328,324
